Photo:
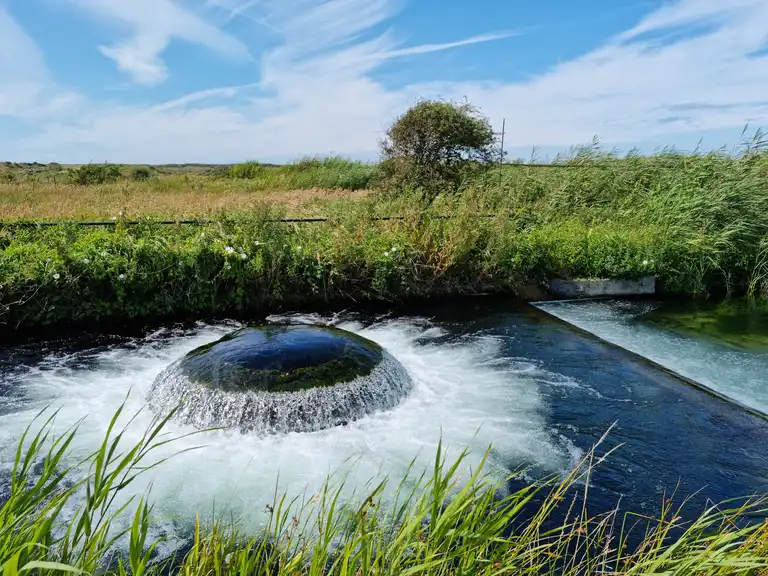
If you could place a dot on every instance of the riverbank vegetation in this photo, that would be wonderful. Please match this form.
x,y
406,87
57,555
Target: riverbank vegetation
x,y
85,516
697,221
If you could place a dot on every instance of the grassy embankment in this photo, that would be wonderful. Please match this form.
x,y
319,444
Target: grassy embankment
x,y
59,517
700,222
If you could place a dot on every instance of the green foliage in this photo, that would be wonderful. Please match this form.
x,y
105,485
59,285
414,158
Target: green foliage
x,y
325,173
38,533
89,174
247,170
698,222
434,146
141,173
65,514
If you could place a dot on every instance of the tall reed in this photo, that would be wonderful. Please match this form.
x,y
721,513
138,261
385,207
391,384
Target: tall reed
x,y
436,522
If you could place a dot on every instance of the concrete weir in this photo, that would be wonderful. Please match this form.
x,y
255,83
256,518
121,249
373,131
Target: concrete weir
x,y
644,286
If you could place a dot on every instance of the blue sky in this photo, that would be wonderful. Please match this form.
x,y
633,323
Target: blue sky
x,y
228,80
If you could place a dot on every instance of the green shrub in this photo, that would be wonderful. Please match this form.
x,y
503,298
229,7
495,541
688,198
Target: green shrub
x,y
247,170
435,146
219,172
90,174
141,173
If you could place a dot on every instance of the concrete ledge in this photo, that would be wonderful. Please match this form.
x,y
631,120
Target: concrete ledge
x,y
603,287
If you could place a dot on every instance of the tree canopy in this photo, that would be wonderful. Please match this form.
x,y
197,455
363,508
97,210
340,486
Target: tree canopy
x,y
434,145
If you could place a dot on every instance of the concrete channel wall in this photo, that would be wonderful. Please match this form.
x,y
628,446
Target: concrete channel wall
x,y
603,287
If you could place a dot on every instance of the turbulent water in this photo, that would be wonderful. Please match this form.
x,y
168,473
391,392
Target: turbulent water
x,y
267,412
483,372
460,393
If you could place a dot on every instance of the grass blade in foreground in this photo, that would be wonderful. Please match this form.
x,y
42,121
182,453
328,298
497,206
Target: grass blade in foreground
x,y
436,523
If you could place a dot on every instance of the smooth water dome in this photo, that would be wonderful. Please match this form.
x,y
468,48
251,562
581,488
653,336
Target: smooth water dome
x,y
277,358
281,378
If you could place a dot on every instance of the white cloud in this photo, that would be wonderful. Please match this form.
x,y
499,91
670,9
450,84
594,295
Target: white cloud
x,y
23,73
154,24
26,88
690,66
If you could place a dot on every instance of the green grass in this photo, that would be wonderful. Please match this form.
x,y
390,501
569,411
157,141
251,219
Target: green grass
x,y
64,515
325,173
71,273
699,222
305,173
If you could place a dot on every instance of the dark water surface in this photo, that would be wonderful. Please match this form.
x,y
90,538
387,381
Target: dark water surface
x,y
541,391
716,345
673,436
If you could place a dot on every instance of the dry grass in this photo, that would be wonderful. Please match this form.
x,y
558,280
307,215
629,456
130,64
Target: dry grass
x,y
166,198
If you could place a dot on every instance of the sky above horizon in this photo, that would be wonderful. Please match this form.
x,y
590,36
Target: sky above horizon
x,y
161,81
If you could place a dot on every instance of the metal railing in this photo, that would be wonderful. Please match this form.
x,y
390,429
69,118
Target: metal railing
x,y
203,222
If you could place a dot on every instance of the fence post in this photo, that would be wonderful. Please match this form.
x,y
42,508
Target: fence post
x,y
501,154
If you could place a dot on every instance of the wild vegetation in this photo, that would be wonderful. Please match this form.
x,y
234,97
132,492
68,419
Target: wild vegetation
x,y
465,223
435,146
63,515
697,221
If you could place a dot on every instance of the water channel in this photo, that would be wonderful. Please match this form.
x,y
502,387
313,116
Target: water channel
x,y
485,371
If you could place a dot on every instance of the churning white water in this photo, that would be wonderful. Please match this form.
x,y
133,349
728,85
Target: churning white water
x,y
740,375
461,393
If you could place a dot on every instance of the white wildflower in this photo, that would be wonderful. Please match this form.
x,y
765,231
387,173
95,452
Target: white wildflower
x,y
86,261
121,277
114,217
243,256
257,243
229,249
56,276
645,262
386,253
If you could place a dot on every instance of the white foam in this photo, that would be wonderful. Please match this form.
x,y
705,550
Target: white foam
x,y
460,392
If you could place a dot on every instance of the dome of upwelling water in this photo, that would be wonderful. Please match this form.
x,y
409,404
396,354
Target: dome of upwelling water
x,y
281,378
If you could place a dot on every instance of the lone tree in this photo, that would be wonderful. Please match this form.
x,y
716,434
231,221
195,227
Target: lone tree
x,y
435,145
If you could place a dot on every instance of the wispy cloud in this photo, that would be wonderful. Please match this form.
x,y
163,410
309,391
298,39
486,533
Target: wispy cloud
x,y
693,65
23,73
26,88
218,94
154,24
427,48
